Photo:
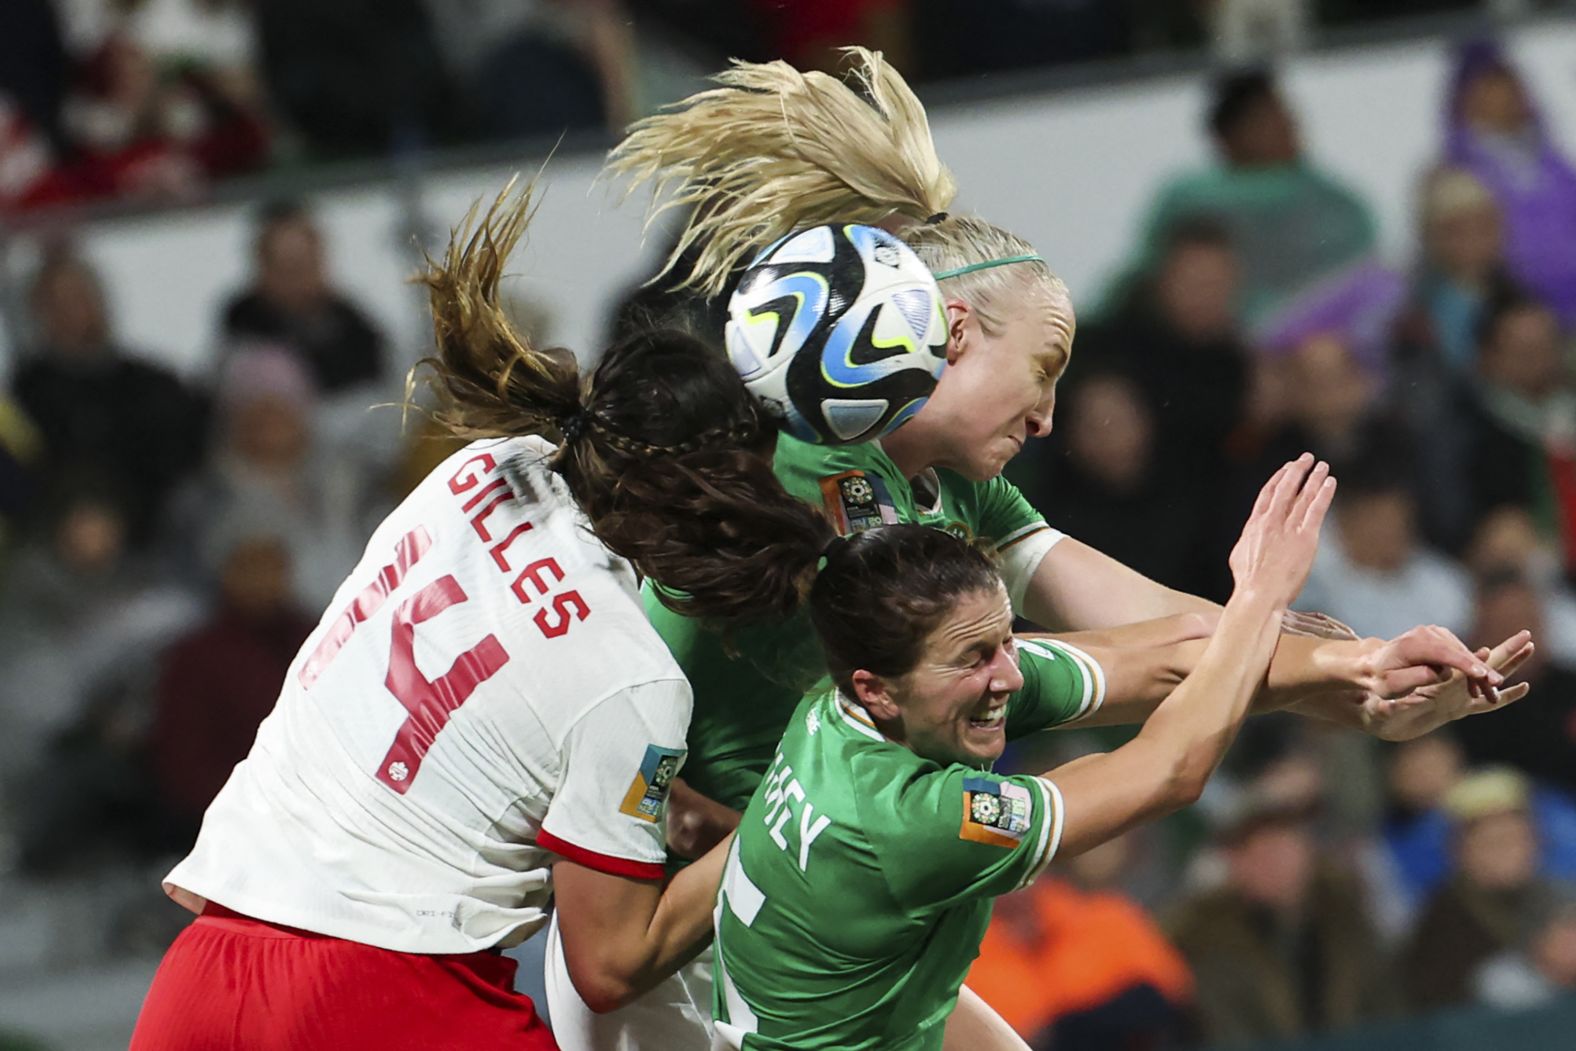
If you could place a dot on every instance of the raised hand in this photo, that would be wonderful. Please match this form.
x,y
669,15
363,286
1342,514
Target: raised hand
x,y
1429,707
1277,545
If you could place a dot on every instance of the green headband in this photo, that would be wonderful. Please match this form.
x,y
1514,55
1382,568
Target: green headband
x,y
959,271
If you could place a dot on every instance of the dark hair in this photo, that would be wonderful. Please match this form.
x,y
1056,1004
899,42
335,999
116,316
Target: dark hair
x,y
1235,94
883,591
273,214
1505,301
1196,231
662,446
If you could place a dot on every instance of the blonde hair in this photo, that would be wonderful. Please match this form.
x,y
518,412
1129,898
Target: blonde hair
x,y
1446,192
772,150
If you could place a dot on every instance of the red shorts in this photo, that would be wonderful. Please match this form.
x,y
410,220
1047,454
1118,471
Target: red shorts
x,y
238,984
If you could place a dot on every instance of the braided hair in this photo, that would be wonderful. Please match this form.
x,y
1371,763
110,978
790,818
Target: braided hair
x,y
661,445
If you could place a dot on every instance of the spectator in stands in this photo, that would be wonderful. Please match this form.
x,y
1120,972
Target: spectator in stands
x,y
539,67
1459,272
292,302
1541,969
1072,963
1177,335
1522,419
30,176
265,464
1492,129
219,680
1292,225
1538,739
1492,895
216,38
1285,947
139,132
1102,478
79,614
1319,398
356,77
1418,828
96,405
1507,539
1460,269
1373,571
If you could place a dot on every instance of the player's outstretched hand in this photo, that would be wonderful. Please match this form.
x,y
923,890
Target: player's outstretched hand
x,y
1430,707
1277,545
1423,657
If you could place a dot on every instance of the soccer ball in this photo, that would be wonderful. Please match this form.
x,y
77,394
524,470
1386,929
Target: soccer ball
x,y
839,331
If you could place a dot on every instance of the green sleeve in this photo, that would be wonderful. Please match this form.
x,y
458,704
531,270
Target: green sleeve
x,y
1060,683
945,836
745,686
1002,514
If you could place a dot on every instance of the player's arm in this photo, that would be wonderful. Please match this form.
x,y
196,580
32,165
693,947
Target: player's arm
x,y
624,928
1167,765
974,1026
1306,672
623,936
1076,588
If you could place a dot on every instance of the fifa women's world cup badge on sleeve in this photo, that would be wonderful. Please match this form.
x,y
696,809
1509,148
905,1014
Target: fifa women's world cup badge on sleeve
x,y
857,501
994,812
649,790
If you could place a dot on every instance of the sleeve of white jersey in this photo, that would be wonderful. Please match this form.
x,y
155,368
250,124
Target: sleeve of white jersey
x,y
617,762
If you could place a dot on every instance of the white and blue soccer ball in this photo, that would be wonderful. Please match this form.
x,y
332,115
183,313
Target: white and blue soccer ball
x,y
839,331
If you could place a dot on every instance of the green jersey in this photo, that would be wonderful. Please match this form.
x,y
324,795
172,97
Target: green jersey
x,y
860,882
746,685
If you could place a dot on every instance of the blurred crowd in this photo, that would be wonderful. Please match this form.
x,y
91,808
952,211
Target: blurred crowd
x,y
156,589
1330,879
154,100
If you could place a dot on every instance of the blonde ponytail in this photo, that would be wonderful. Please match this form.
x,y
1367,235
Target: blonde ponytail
x,y
772,150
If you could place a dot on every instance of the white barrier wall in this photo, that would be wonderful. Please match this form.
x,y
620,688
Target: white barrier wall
x,y
1071,170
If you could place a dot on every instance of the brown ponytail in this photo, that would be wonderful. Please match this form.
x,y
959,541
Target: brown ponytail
x,y
663,448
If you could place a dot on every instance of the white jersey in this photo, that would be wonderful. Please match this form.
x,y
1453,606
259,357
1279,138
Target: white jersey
x,y
484,693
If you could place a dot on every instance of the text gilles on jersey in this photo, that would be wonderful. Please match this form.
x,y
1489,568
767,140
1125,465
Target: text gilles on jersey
x,y
530,584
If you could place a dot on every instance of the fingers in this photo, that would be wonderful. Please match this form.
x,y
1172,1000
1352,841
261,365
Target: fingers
x,y
1262,504
1511,650
1397,684
1517,659
1510,695
1434,645
1288,486
1314,502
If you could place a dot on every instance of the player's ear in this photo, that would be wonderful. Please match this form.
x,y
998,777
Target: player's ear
x,y
874,694
958,314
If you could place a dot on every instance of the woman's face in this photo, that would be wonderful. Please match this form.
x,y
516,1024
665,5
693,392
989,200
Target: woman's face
x,y
1494,101
1467,243
998,389
952,706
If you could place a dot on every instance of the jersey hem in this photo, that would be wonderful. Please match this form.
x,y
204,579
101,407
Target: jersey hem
x,y
626,867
